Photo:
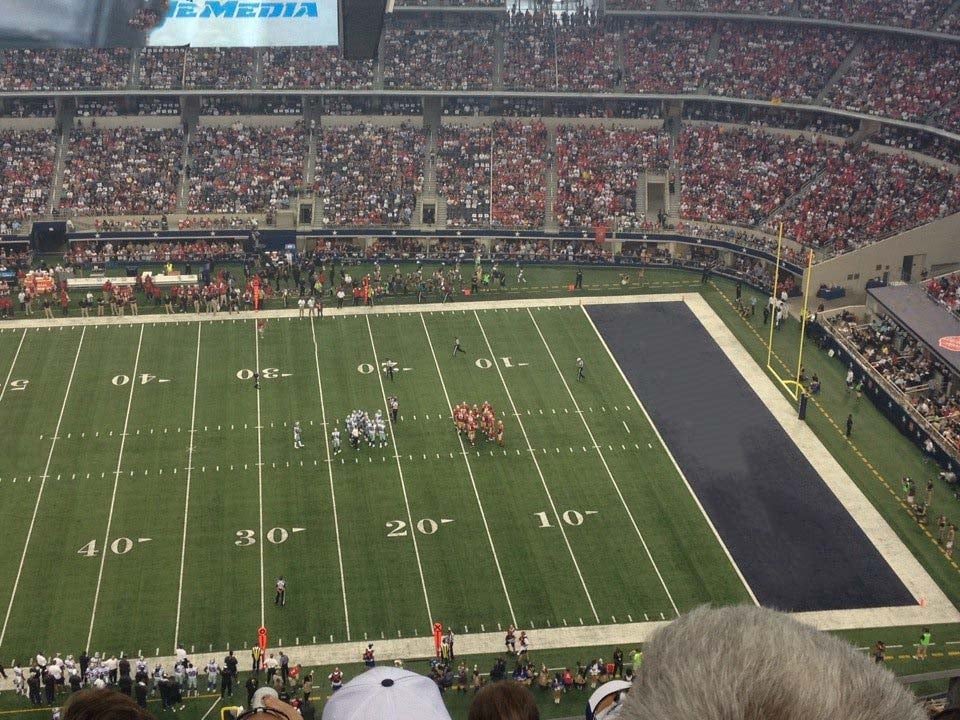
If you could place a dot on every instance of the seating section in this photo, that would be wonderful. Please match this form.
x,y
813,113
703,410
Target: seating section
x,y
368,175
900,13
666,57
763,61
239,169
901,79
747,7
463,174
314,67
946,290
570,55
26,173
72,69
597,172
219,68
864,196
519,171
740,176
122,171
433,59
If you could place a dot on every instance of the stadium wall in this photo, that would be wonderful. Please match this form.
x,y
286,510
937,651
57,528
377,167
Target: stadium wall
x,y
933,244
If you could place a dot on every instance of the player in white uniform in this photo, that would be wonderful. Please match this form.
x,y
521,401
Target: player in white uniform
x,y
297,436
19,684
335,437
382,432
191,673
212,671
371,433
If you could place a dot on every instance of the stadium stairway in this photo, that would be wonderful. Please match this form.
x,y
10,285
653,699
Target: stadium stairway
x,y
258,68
621,63
839,72
550,223
134,70
62,145
795,198
183,192
498,61
712,50
310,163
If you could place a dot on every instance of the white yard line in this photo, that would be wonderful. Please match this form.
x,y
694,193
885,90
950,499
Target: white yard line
x,y
260,543
333,493
6,383
43,482
672,458
536,464
606,467
104,549
473,483
210,709
186,497
403,485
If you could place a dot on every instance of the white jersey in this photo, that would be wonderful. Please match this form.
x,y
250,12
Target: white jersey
x,y
335,436
297,433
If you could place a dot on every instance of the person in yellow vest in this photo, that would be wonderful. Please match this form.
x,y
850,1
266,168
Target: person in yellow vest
x,y
256,654
925,638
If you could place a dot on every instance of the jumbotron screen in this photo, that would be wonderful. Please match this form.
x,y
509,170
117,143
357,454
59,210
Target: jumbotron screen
x,y
197,23
247,23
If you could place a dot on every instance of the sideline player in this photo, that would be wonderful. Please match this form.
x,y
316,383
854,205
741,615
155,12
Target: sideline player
x,y
580,376
297,436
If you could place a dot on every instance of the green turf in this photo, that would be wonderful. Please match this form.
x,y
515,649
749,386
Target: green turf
x,y
221,595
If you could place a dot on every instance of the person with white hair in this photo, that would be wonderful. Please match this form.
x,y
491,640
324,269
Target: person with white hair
x,y
752,663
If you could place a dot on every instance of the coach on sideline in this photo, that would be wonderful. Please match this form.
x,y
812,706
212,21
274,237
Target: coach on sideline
x,y
751,663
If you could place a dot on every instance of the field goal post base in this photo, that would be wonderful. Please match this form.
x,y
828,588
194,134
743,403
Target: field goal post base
x,y
793,386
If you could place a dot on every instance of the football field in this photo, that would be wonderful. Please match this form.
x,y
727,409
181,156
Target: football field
x,y
151,495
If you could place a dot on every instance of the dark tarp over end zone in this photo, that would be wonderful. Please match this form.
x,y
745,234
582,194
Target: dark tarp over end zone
x,y
796,545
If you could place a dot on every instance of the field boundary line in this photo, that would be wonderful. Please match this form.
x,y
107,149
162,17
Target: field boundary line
x,y
536,464
403,484
6,383
260,537
673,460
399,309
333,493
43,482
473,482
186,501
116,484
606,467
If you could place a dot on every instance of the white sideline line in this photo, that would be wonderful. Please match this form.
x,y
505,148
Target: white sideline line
x,y
186,501
403,485
210,709
263,611
666,449
116,484
606,467
473,483
6,382
43,482
543,480
333,493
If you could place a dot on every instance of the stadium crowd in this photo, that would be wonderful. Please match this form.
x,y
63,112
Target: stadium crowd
x,y
741,175
666,57
369,175
598,168
567,52
520,160
863,196
240,169
764,62
122,171
946,291
314,67
433,59
66,69
463,174
922,381
26,174
96,252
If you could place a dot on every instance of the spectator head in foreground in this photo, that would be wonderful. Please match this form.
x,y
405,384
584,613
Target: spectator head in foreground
x,y
751,663
103,705
506,700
